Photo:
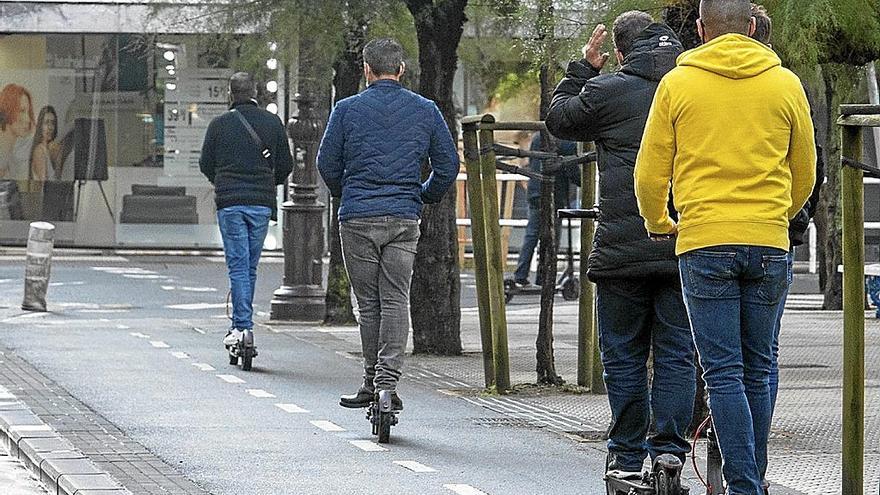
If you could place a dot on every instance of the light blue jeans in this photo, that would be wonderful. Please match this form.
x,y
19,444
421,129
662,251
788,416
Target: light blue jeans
x,y
733,294
243,229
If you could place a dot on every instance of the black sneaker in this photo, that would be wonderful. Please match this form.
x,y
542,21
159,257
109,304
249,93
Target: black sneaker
x,y
360,400
522,284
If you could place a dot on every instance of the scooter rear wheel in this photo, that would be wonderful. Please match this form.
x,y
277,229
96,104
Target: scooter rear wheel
x,y
247,358
571,289
385,427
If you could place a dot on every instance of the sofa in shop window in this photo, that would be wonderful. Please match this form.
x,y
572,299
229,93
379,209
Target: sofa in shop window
x,y
159,204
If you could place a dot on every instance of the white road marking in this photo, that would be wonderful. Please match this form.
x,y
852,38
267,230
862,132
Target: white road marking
x,y
30,428
144,276
6,395
36,314
368,446
158,344
415,467
199,330
327,426
464,489
189,289
180,355
64,284
291,408
204,366
117,270
139,335
102,311
123,327
197,306
260,393
230,378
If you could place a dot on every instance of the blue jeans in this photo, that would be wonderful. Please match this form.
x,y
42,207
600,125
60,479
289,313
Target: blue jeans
x,y
530,242
733,295
774,364
243,229
637,316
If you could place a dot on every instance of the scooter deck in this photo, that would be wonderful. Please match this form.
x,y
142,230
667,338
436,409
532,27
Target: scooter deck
x,y
623,486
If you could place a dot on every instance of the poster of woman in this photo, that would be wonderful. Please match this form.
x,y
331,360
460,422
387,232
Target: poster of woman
x,y
16,124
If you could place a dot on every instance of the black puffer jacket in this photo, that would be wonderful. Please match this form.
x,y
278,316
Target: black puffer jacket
x,y
611,110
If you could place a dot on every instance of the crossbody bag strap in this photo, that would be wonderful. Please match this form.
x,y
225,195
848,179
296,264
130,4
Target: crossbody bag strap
x,y
264,151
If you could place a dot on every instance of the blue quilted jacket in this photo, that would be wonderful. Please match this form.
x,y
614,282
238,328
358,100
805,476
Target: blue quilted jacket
x,y
374,147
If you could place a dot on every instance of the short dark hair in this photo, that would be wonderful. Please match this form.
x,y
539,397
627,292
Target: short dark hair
x,y
763,23
384,56
627,27
242,87
725,16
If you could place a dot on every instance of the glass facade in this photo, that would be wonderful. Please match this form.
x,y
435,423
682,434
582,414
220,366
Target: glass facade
x,y
100,134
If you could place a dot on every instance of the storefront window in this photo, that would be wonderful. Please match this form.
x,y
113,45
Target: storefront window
x,y
101,135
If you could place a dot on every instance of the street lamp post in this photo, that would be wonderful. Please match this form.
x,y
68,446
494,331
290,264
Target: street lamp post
x,y
301,295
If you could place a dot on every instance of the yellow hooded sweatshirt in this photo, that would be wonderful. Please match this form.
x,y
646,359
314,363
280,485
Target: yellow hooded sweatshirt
x,y
730,129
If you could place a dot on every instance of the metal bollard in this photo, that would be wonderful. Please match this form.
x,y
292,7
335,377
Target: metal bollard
x,y
41,240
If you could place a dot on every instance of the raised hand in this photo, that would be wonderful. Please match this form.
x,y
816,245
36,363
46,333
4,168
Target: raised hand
x,y
593,49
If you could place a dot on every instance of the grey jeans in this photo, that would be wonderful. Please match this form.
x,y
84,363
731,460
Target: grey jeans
x,y
379,254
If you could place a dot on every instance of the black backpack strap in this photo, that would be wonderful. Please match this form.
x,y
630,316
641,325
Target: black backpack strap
x,y
264,151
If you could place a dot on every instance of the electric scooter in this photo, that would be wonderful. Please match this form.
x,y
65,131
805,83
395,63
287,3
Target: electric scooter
x,y
381,415
244,349
568,284
663,479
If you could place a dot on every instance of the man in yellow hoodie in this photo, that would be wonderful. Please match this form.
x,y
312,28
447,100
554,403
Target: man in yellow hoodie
x,y
730,129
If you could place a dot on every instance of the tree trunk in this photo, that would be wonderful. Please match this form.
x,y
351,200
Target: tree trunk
x,y
546,361
436,287
839,82
346,82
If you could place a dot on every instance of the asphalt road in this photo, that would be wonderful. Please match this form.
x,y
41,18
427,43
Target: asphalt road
x,y
138,341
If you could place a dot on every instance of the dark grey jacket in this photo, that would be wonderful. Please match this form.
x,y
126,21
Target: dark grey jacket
x,y
611,110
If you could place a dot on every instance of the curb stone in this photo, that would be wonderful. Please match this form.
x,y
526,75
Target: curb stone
x,y
61,468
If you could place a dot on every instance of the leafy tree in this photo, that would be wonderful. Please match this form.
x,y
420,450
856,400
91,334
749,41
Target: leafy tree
x,y
839,37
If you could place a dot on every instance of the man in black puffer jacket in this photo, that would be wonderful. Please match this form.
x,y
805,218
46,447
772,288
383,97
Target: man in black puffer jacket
x,y
639,301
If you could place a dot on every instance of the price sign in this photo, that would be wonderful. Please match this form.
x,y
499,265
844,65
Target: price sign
x,y
198,96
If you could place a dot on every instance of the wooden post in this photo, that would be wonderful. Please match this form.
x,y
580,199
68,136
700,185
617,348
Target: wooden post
x,y
478,235
494,268
852,206
589,360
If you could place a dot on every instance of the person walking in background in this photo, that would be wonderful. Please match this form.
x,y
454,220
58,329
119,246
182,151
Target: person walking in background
x,y
561,193
244,180
371,156
639,304
730,129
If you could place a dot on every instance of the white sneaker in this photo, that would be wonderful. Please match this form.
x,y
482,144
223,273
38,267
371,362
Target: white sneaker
x,y
233,337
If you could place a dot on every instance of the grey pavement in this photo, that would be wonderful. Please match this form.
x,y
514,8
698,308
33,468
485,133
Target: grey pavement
x,y
15,479
130,350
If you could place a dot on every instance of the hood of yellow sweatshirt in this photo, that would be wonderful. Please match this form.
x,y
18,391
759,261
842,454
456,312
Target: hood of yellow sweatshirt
x,y
733,56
